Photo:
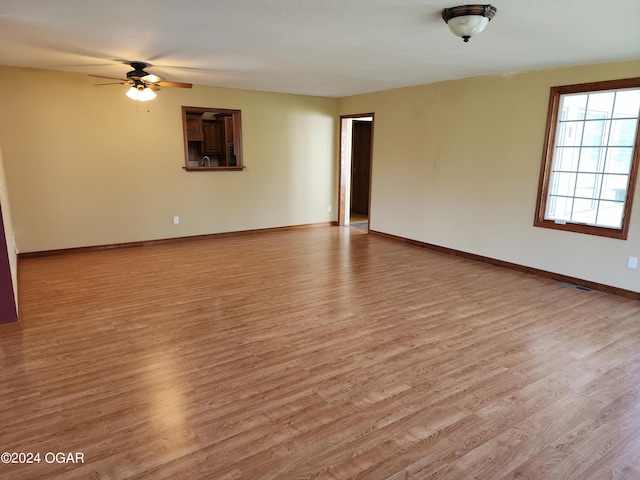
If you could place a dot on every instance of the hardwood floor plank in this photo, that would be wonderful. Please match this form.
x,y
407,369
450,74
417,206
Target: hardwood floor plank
x,y
320,353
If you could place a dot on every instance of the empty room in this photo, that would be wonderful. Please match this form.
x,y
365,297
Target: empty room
x,y
374,239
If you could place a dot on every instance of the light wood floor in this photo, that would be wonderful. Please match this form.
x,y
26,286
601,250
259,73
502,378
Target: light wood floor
x,y
358,218
323,353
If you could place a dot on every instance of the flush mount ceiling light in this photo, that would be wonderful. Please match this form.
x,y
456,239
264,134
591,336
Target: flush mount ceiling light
x,y
468,20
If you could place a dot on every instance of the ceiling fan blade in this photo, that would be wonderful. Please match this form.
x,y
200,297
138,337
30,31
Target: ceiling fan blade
x,y
154,87
164,83
110,78
112,83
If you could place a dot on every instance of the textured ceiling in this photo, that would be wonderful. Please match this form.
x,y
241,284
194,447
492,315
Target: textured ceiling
x,y
329,48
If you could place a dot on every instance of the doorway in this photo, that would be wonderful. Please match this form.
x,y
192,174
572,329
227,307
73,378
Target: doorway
x,y
356,141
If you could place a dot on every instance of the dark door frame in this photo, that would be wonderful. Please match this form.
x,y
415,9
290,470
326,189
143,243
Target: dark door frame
x,y
345,164
8,308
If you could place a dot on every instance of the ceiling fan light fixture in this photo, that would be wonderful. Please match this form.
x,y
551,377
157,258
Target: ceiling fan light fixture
x,y
144,85
151,78
468,20
147,94
141,93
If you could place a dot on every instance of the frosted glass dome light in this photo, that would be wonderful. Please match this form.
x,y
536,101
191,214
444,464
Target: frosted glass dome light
x,y
468,20
141,93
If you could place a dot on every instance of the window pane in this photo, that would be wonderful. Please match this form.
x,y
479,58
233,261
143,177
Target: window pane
x,y
569,134
619,160
573,107
627,104
610,214
600,105
567,158
587,185
591,159
559,208
623,132
614,187
594,133
584,211
563,183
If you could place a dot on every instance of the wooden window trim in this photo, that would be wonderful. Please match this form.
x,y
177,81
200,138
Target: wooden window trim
x,y
547,160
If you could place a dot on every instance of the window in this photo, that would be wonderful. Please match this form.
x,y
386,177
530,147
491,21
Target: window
x,y
212,139
591,157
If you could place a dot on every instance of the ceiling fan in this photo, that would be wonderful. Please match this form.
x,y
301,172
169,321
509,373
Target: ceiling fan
x,y
144,85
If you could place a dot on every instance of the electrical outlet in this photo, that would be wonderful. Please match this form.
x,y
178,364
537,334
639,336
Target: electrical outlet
x,y
328,208
176,220
632,263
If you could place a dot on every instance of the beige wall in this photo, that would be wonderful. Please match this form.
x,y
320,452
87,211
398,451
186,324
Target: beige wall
x,y
457,163
8,229
88,166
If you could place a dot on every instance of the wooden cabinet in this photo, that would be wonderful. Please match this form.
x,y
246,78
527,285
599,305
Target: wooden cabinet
x,y
228,142
218,141
213,137
194,127
228,129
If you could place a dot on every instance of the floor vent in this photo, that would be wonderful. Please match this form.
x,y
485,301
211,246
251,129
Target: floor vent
x,y
576,287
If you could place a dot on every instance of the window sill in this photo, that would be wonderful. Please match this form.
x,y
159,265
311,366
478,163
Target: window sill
x,y
616,233
213,169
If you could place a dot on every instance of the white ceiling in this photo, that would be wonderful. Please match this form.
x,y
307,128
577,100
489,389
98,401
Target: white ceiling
x,y
328,48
